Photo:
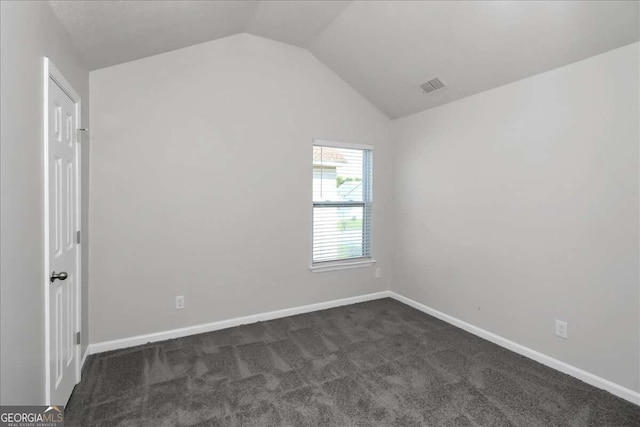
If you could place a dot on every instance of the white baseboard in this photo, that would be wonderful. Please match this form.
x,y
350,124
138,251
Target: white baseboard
x,y
587,377
229,323
84,358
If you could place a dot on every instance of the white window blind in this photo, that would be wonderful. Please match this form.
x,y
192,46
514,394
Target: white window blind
x,y
342,203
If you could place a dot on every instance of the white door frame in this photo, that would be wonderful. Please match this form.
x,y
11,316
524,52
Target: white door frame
x,y
52,73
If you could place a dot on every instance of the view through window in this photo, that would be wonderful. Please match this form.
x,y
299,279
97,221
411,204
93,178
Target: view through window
x,y
341,203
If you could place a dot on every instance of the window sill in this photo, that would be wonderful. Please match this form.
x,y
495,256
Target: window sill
x,y
342,265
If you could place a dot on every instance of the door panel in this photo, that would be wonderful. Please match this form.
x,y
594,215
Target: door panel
x,y
62,245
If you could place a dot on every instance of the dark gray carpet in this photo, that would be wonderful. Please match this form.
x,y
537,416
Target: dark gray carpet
x,y
379,363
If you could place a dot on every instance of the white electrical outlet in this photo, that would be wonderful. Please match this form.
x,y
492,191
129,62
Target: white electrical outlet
x,y
378,273
180,302
562,329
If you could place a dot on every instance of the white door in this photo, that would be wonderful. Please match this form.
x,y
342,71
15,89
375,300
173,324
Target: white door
x,y
63,292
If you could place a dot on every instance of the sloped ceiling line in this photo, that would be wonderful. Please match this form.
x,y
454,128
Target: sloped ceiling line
x,y
384,49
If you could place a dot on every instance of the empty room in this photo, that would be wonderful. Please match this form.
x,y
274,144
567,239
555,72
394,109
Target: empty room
x,y
320,213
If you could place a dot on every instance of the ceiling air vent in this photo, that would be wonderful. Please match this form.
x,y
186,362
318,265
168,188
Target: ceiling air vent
x,y
432,85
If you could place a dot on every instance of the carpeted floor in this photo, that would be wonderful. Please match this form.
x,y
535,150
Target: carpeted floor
x,y
378,363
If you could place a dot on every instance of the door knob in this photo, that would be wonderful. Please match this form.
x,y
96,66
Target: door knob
x,y
60,276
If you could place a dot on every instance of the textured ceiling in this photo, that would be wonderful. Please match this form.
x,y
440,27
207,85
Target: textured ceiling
x,y
387,49
109,32
384,49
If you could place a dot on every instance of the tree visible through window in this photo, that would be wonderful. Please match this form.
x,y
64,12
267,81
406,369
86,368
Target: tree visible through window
x,y
341,203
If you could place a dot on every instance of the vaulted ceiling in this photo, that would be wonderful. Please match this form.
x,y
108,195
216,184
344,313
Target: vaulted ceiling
x,y
384,49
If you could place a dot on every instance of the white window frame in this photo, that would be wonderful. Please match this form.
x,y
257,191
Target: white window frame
x,y
352,262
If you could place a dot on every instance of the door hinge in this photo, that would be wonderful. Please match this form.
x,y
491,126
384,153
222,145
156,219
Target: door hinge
x,y
77,338
78,237
79,133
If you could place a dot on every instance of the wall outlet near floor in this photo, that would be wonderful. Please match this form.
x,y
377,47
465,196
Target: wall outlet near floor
x,y
378,273
562,329
180,302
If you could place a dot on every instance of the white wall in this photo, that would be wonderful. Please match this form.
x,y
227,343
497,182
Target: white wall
x,y
29,31
519,206
201,184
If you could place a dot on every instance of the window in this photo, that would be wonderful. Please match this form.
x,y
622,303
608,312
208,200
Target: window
x,y
342,204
